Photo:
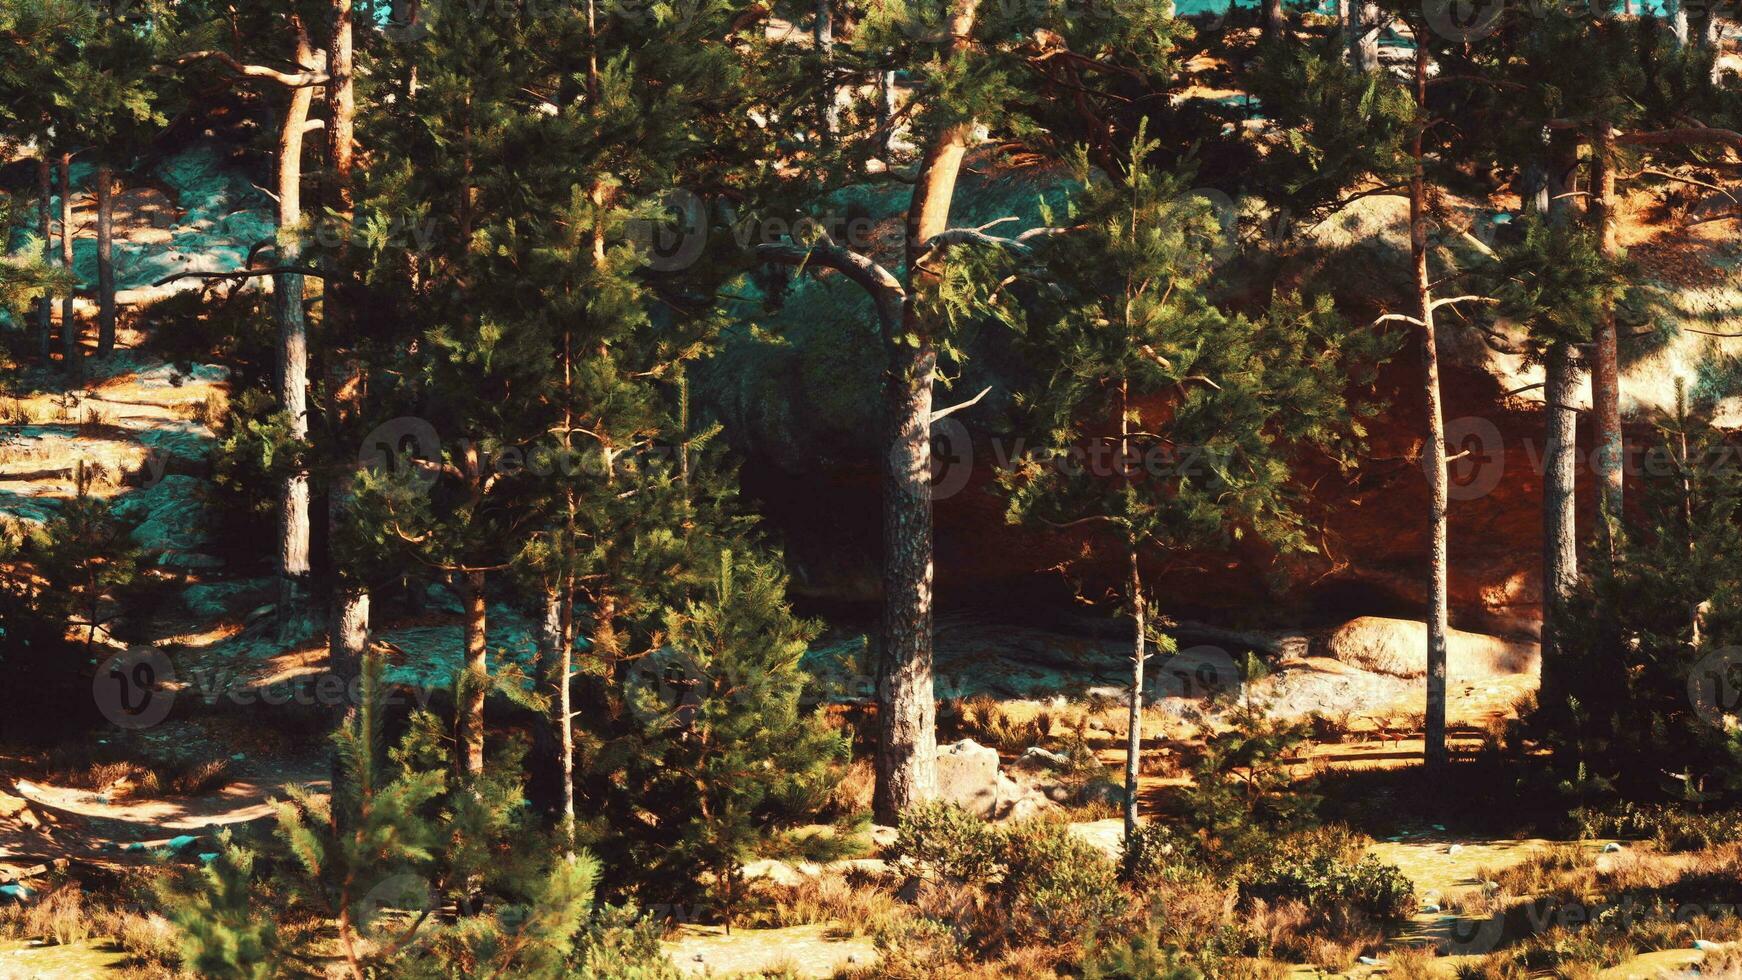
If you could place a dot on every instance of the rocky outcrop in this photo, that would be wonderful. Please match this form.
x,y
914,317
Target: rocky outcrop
x,y
1398,647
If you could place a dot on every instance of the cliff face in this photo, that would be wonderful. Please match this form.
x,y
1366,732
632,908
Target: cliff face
x,y
803,411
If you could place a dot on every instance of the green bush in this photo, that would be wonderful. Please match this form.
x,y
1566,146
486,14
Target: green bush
x,y
1672,828
1324,870
1151,852
1057,885
946,841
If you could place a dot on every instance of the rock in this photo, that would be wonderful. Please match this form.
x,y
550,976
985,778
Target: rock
x,y
1611,847
1039,758
1397,647
967,774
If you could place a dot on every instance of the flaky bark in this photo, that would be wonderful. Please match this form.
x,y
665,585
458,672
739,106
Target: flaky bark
x,y
1560,569
471,711
105,260
1606,367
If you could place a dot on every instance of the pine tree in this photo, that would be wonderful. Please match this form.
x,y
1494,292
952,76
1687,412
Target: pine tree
x,y
975,66
383,860
725,746
1187,414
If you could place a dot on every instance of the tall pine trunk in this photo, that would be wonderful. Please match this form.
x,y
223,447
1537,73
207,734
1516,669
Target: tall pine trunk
x,y
287,299
72,358
1560,569
105,260
907,736
45,221
477,684
907,710
1606,369
348,623
1434,450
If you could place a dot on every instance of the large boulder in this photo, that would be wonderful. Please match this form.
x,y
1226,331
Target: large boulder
x,y
1399,647
967,775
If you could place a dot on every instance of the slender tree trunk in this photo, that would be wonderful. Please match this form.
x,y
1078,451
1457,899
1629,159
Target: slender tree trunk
x,y
349,607
566,710
477,674
1434,450
1606,370
907,709
1678,22
1560,568
287,299
1364,48
45,220
72,358
823,33
1134,733
105,260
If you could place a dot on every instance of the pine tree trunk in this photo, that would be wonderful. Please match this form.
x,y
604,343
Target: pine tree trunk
x,y
823,33
1606,369
72,358
907,736
1275,20
105,260
477,674
349,607
1433,450
907,709
565,709
1364,49
1560,569
287,299
1134,734
45,220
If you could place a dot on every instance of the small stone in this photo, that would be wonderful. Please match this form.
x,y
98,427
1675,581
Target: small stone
x,y
697,957
1455,849
1611,847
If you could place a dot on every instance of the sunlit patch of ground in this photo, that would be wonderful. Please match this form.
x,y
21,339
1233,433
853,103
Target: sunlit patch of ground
x,y
74,961
808,951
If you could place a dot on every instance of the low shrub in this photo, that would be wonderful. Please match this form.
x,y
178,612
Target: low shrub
x,y
945,841
1672,828
1057,886
1324,870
